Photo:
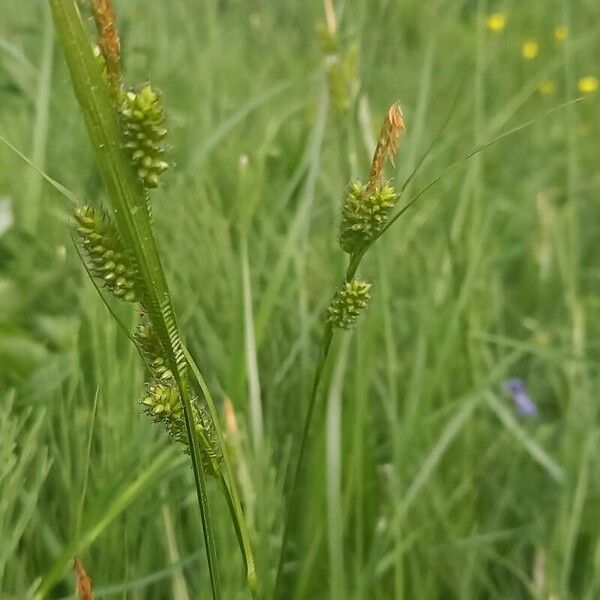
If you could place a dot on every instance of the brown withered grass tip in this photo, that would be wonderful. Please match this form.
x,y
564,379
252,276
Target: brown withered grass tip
x,y
106,24
387,145
83,587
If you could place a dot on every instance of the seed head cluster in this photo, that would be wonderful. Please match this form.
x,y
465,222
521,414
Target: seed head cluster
x,y
143,124
162,401
364,214
349,301
105,252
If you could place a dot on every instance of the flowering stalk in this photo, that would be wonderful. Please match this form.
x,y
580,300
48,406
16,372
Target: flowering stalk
x,y
126,131
366,213
388,139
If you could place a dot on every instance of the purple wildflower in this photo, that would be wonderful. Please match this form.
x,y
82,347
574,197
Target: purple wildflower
x,y
524,405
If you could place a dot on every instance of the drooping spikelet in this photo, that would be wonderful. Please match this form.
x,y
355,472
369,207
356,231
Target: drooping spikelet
x,y
349,301
143,124
108,261
162,402
364,214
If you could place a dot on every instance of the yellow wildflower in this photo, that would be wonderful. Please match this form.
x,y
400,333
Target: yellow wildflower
x,y
588,85
496,21
530,49
547,87
560,33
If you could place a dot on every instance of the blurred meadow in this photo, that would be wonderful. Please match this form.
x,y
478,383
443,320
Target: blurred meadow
x,y
429,476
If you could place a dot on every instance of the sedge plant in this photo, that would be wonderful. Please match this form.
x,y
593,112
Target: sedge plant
x,y
367,211
127,129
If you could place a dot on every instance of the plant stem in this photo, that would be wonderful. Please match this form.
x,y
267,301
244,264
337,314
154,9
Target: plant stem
x,y
293,500
228,483
292,506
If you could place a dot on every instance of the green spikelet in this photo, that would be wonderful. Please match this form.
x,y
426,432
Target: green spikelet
x,y
349,301
149,343
143,124
105,252
162,402
364,214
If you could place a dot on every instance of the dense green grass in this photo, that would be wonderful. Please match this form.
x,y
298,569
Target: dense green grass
x,y
424,481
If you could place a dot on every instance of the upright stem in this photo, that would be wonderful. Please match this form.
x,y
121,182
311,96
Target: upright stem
x,y
292,506
293,500
229,484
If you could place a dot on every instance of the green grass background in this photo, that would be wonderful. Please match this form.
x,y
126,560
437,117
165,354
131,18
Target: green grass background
x,y
424,482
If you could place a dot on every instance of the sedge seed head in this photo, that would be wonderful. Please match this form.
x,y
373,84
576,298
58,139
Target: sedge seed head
x,y
365,213
105,253
143,124
351,298
162,400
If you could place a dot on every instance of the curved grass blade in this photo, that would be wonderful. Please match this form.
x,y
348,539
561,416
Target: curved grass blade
x,y
228,481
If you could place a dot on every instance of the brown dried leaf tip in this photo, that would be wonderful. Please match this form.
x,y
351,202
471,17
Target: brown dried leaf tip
x,y
84,583
106,24
387,144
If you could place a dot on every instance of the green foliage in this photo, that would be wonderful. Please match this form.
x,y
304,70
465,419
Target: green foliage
x,y
365,213
439,489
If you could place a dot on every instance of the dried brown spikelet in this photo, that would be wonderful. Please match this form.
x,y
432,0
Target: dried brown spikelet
x,y
104,16
83,587
387,144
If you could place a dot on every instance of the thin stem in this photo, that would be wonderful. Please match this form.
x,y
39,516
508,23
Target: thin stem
x,y
355,261
228,482
293,501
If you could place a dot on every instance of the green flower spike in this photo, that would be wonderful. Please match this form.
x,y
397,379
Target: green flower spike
x,y
349,300
364,214
163,402
143,123
105,252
